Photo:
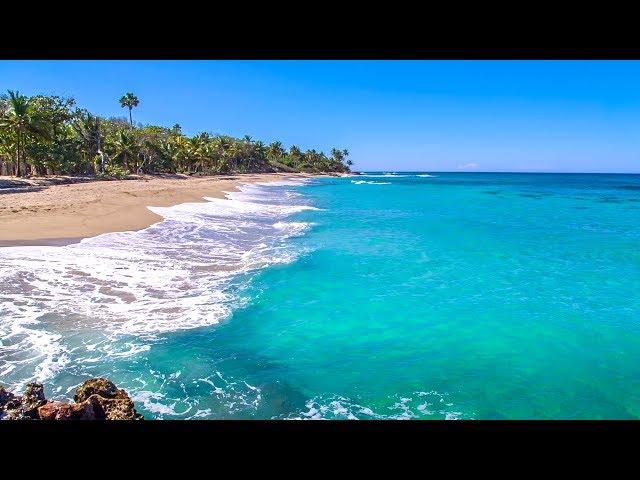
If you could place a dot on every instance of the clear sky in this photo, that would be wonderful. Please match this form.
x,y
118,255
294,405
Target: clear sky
x,y
391,115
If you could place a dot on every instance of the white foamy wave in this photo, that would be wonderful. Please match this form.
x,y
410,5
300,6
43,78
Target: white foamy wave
x,y
287,182
365,182
177,274
171,399
151,401
217,207
414,406
426,175
26,346
292,228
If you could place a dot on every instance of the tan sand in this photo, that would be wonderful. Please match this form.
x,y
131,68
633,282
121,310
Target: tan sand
x,y
59,214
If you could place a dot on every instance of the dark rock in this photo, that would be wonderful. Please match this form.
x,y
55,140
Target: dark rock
x,y
13,411
96,399
87,410
98,386
24,407
5,397
115,408
32,399
9,405
90,409
53,410
114,402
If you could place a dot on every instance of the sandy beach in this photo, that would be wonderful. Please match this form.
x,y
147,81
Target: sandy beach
x,y
62,214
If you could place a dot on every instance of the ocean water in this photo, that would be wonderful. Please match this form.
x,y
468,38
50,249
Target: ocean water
x,y
381,296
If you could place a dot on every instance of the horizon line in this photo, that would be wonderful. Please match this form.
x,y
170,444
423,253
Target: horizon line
x,y
493,171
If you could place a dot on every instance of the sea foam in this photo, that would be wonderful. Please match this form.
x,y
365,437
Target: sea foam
x,y
365,182
176,274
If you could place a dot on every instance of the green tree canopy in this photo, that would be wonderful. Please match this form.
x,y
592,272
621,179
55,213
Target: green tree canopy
x,y
50,134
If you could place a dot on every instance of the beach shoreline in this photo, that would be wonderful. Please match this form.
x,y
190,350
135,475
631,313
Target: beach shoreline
x,y
62,214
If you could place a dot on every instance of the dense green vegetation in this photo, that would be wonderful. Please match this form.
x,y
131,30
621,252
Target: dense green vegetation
x,y
51,135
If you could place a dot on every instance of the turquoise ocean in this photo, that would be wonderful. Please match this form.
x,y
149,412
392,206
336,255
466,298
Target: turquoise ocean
x,y
387,295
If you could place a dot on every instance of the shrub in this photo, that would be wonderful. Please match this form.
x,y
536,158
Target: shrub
x,y
115,171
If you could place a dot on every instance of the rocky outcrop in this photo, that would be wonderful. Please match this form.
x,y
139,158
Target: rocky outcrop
x,y
95,399
22,408
7,402
114,402
5,397
88,410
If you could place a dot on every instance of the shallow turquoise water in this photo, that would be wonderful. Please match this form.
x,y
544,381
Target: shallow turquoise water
x,y
471,296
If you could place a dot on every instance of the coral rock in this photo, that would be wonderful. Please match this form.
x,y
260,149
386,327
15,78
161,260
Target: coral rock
x,y
32,399
114,403
87,410
96,399
24,407
98,386
5,397
53,410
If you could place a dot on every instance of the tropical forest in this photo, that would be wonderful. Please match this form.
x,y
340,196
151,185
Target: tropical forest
x,y
51,135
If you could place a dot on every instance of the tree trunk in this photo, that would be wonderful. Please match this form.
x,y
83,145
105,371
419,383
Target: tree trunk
x,y
130,119
101,160
17,173
99,144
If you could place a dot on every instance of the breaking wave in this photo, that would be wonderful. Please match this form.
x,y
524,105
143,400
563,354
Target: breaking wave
x,y
180,273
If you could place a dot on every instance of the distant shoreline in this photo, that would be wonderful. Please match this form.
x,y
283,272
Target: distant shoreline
x,y
62,214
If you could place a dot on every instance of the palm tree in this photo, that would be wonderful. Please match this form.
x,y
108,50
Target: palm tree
x,y
294,151
130,101
337,155
200,150
21,119
126,150
222,146
180,152
87,128
275,150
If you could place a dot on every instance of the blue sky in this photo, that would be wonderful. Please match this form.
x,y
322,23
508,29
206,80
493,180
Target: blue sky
x,y
391,115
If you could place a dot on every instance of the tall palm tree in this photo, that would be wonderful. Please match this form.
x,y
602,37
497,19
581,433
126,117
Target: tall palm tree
x,y
345,154
22,120
130,101
337,155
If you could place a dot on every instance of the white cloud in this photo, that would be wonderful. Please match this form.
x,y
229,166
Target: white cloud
x,y
468,166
